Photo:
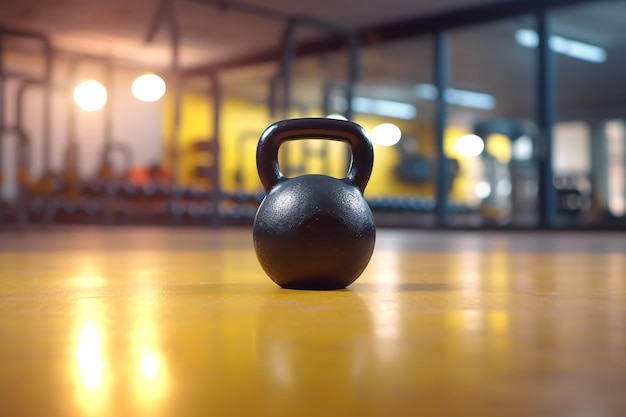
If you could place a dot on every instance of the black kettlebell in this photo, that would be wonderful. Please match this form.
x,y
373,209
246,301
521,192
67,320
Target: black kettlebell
x,y
314,231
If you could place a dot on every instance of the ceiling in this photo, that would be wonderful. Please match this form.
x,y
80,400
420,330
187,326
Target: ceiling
x,y
118,28
485,58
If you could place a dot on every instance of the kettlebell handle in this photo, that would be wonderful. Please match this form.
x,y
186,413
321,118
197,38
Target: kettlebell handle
x,y
314,128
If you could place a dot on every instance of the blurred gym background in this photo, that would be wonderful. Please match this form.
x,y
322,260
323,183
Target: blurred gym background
x,y
149,111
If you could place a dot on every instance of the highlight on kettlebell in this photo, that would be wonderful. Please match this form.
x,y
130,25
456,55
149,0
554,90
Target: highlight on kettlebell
x,y
314,231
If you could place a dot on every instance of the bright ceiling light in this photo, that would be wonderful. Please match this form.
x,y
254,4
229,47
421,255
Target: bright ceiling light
x,y
469,145
90,95
527,38
386,134
482,189
427,91
470,99
522,148
576,49
386,108
569,47
336,116
504,187
464,98
148,87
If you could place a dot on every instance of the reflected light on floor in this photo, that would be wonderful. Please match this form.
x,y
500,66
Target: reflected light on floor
x,y
499,278
387,268
464,332
149,373
499,322
89,353
615,317
469,270
616,267
89,359
386,316
149,365
93,383
385,309
150,380
472,278
498,339
88,280
281,371
464,320
87,272
89,350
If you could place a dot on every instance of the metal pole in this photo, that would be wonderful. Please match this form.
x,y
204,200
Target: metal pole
x,y
288,65
25,145
2,77
273,96
72,143
106,169
177,106
216,191
2,121
47,134
354,72
108,114
442,66
546,116
166,11
286,76
21,92
46,80
70,173
47,109
289,56
23,153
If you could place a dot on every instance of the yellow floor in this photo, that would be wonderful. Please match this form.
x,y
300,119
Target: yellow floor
x,y
183,322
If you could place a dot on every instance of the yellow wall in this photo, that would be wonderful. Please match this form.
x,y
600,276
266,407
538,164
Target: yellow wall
x,y
242,119
196,124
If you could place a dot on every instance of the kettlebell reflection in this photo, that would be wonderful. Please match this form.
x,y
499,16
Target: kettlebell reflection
x,y
316,341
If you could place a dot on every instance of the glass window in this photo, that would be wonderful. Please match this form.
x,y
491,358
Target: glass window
x,y
403,183
616,157
589,45
491,130
571,149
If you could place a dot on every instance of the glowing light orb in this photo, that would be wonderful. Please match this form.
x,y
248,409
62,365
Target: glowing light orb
x,y
469,145
90,95
386,134
148,87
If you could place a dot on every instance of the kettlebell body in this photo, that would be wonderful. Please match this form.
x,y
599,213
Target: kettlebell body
x,y
314,231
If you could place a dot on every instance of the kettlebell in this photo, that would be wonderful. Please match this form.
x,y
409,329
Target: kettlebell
x,y
314,231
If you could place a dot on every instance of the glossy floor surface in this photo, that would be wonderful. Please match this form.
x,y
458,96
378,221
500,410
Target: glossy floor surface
x,y
182,322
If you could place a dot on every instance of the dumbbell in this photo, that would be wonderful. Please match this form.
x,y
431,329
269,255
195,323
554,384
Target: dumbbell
x,y
430,204
149,189
91,208
129,190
